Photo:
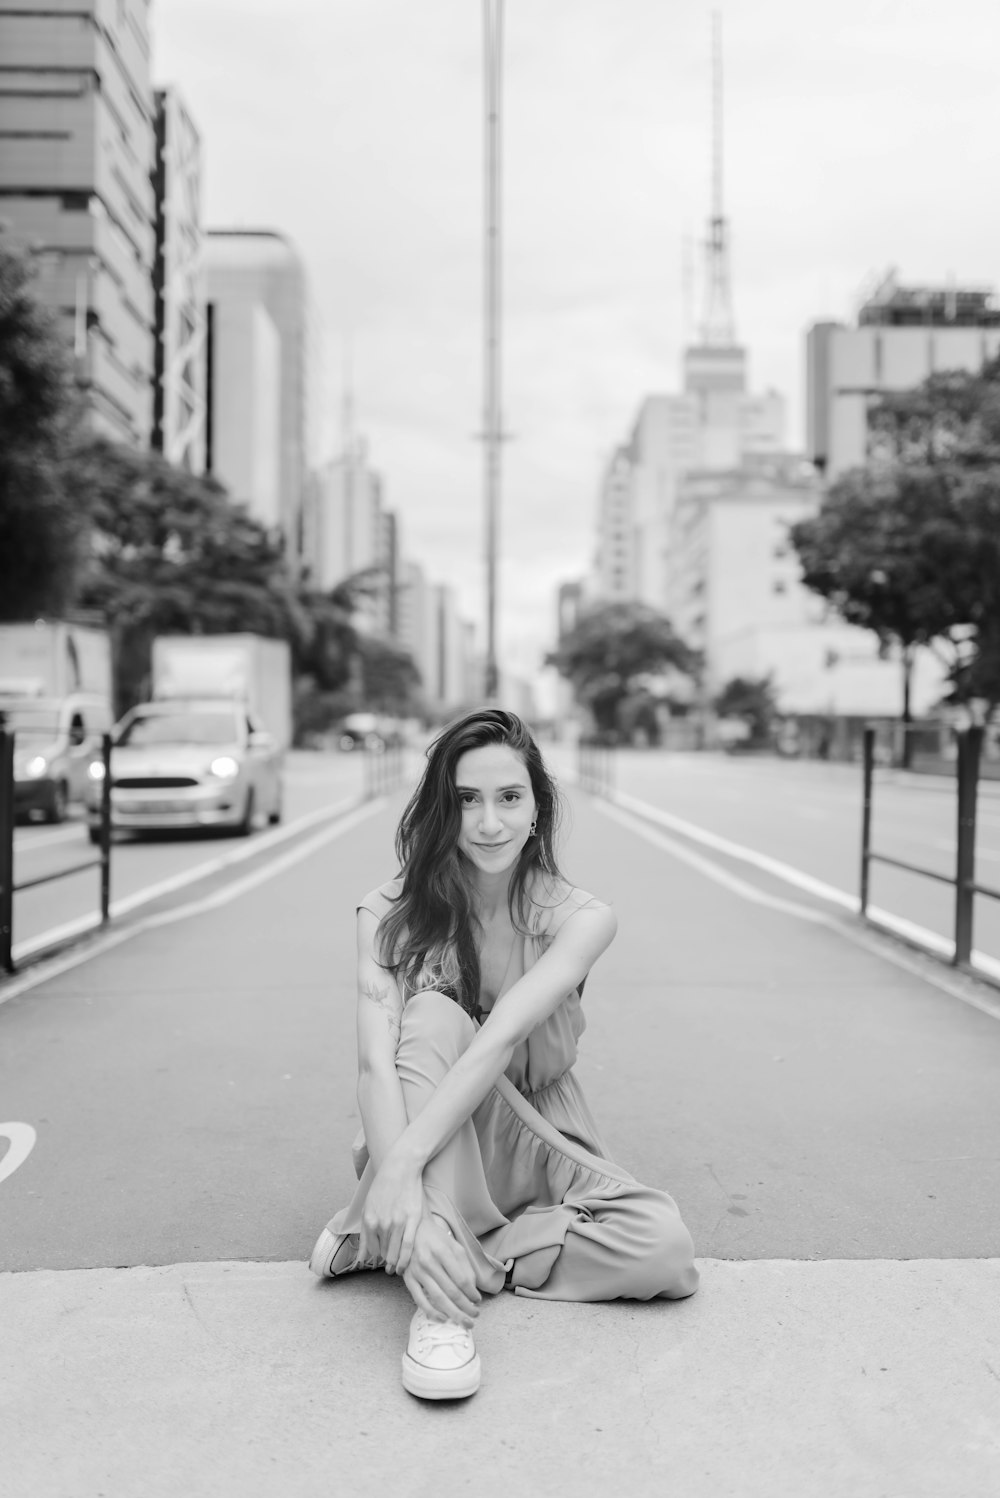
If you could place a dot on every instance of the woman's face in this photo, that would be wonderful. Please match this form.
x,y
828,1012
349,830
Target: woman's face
x,y
498,806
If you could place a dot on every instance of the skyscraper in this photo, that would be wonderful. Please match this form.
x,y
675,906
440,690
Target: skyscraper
x,y
77,147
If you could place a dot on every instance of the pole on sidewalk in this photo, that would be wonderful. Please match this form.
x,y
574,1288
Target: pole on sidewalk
x,y
6,851
106,830
970,743
866,815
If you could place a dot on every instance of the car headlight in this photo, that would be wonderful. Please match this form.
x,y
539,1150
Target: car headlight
x,y
225,767
36,767
95,769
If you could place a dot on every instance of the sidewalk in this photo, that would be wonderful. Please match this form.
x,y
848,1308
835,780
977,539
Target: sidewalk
x,y
826,1120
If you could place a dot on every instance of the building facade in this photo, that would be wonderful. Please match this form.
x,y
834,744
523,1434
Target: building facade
x,y
249,273
178,285
77,156
903,335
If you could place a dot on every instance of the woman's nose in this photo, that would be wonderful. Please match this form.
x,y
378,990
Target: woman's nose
x,y
488,817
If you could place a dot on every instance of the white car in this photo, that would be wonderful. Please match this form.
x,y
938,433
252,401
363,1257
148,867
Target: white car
x,y
181,764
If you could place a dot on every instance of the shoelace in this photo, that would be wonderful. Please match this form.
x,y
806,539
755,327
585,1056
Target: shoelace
x,y
440,1334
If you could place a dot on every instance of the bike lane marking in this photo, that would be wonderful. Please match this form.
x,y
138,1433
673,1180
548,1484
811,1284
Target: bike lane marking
x,y
745,891
60,965
21,1137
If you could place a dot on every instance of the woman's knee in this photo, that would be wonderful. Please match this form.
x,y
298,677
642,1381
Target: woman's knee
x,y
431,1018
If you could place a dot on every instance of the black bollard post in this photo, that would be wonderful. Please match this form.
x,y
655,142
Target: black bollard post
x,y
866,815
6,851
969,748
106,830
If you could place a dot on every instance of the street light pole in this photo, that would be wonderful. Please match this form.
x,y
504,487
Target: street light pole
x,y
492,417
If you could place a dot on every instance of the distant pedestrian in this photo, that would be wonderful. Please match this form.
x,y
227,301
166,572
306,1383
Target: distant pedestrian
x,y
480,1166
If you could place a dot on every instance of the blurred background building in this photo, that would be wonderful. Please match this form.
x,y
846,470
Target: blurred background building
x,y
903,334
77,156
179,375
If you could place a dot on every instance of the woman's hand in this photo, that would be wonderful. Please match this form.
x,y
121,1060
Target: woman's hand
x,y
392,1213
440,1277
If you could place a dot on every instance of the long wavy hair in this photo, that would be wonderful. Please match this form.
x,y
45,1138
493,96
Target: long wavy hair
x,y
428,938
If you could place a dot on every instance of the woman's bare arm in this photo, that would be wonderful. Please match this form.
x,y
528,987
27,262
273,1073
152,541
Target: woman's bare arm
x,y
574,950
380,1006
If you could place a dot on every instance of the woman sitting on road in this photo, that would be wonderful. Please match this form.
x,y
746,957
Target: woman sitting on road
x,y
481,1167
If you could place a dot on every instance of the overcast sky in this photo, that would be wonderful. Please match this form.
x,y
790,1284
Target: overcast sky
x,y
860,134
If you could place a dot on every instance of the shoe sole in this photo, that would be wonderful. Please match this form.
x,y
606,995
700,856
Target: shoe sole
x,y
324,1256
441,1383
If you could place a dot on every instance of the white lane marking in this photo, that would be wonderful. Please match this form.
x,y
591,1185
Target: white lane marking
x,y
725,845
857,935
253,846
58,965
22,1141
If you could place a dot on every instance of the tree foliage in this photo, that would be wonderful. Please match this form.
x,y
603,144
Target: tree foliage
x,y
611,648
909,546
751,699
40,526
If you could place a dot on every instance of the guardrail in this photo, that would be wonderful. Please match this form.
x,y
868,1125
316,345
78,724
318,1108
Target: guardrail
x,y
383,770
964,882
595,767
8,889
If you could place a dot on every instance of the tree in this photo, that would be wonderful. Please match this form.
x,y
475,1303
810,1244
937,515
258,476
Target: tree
x,y
389,677
40,526
612,647
171,554
909,546
752,700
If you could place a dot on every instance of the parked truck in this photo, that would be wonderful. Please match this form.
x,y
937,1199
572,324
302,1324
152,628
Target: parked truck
x,y
208,749
56,698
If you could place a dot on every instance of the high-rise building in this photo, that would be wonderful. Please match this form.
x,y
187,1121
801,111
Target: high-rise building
x,y
903,334
77,150
178,283
249,273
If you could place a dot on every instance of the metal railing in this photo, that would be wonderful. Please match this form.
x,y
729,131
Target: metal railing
x,y
8,889
595,767
963,881
383,770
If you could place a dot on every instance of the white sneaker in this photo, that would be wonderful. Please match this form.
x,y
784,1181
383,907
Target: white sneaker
x,y
440,1361
333,1253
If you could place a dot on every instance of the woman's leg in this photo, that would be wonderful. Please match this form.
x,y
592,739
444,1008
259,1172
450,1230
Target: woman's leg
x,y
434,1032
628,1247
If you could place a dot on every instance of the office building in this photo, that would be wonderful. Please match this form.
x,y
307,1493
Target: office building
x,y
257,295
77,153
178,284
903,334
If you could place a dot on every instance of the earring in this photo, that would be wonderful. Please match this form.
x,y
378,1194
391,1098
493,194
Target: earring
x,y
531,829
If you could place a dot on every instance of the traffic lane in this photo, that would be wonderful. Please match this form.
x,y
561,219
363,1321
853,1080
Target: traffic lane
x,y
810,818
139,863
799,1096
193,1089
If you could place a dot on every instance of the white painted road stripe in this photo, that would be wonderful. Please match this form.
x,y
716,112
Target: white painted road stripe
x,y
22,1141
254,845
854,934
58,965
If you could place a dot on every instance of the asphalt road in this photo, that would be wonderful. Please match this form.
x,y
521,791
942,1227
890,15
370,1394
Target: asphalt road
x,y
193,1090
808,814
143,863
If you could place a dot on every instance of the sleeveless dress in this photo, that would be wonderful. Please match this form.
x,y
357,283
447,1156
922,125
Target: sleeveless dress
x,y
526,1184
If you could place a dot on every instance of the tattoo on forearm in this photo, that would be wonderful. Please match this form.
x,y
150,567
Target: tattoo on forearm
x,y
383,999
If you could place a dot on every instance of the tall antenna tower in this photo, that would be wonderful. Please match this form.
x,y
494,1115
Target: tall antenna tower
x,y
492,434
718,327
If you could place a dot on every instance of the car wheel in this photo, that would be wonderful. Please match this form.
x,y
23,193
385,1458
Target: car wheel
x,y
244,826
59,803
94,833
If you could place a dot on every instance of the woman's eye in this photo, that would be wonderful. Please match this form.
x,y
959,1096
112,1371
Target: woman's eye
x,y
511,796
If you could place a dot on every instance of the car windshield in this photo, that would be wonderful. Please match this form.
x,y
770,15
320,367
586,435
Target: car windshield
x,y
179,728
